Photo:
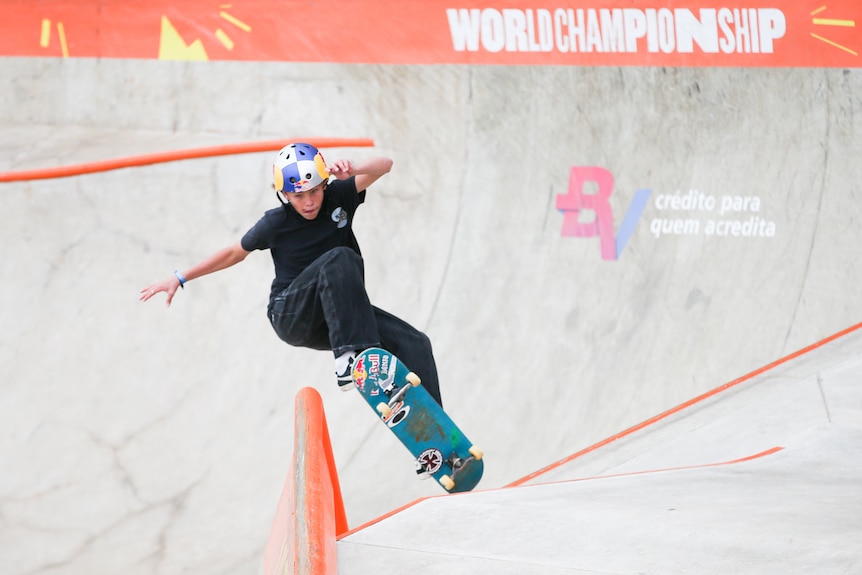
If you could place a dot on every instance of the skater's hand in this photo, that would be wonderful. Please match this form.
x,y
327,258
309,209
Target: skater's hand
x,y
341,169
169,286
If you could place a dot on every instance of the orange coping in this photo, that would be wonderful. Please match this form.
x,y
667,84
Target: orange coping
x,y
310,513
173,156
685,405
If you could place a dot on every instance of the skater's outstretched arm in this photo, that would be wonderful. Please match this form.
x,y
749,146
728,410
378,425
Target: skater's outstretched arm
x,y
366,171
224,258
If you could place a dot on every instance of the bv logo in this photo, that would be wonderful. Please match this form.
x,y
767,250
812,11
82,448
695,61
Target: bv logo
x,y
577,200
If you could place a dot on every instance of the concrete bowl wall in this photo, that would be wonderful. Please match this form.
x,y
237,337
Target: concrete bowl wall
x,y
153,440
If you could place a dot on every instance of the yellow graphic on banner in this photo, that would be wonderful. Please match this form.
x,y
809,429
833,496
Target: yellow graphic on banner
x,y
832,22
224,39
236,22
173,47
222,36
45,36
45,39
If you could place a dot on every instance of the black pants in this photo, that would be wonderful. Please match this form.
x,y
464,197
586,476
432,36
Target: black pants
x,y
327,307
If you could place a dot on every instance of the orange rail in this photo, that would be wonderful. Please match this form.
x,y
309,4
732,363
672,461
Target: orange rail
x,y
310,513
157,158
686,405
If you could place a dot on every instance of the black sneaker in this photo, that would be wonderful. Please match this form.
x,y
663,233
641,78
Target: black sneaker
x,y
345,378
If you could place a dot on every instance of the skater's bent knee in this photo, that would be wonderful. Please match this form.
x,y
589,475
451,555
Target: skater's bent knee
x,y
341,258
343,252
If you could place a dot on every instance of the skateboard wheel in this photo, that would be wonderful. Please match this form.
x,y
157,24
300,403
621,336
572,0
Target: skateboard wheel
x,y
384,409
476,453
447,483
413,379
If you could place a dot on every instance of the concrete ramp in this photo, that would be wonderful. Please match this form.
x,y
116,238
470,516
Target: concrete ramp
x,y
142,440
762,476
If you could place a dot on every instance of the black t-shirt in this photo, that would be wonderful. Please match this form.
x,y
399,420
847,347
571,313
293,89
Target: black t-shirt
x,y
296,242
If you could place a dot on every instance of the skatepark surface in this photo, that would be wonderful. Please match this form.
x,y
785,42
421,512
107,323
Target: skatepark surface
x,y
761,476
646,414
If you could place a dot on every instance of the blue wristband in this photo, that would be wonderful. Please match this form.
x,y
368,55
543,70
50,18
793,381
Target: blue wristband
x,y
181,278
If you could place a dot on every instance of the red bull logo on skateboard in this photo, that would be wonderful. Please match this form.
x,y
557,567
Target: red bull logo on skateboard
x,y
360,374
374,371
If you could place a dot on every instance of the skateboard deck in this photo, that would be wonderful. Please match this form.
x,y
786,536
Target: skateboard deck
x,y
429,434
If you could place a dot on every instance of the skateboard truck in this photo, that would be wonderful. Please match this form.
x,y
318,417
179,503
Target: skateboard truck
x,y
388,385
456,464
385,409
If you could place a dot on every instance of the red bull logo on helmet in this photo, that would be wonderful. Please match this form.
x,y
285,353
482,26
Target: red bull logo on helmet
x,y
298,168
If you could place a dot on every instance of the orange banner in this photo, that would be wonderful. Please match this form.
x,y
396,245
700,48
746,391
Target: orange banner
x,y
802,33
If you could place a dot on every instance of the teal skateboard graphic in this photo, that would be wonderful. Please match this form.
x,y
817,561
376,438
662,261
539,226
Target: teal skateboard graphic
x,y
397,396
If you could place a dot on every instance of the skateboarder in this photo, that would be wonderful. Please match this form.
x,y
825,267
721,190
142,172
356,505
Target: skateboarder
x,y
318,298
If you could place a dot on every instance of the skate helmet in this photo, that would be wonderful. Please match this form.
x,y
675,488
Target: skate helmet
x,y
298,168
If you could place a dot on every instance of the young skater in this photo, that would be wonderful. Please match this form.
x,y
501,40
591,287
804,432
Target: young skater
x,y
318,298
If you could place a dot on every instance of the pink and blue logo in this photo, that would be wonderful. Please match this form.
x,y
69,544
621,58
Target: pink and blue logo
x,y
577,201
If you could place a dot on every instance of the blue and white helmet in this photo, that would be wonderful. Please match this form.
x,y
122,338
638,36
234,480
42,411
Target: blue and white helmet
x,y
298,168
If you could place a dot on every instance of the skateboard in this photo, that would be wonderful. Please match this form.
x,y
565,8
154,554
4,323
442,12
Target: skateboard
x,y
396,394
